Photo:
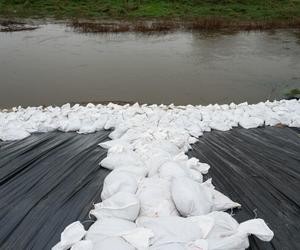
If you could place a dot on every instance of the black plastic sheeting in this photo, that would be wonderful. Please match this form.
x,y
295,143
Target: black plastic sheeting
x,y
48,181
260,169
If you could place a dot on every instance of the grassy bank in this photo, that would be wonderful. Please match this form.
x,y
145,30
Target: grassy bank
x,y
239,10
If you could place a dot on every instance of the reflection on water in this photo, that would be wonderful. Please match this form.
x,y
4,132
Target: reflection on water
x,y
54,65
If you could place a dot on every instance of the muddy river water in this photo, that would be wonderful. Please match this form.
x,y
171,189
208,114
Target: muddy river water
x,y
55,65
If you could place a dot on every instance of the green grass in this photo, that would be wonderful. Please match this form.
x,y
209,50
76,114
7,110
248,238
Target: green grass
x,y
254,10
293,93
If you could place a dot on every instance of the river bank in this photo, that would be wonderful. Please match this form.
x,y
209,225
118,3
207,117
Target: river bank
x,y
153,25
192,14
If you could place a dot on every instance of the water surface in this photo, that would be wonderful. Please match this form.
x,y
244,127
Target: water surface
x,y
55,65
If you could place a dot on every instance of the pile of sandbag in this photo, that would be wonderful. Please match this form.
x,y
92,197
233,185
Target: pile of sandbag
x,y
155,198
155,193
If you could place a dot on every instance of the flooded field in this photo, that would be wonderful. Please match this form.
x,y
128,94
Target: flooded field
x,y
54,65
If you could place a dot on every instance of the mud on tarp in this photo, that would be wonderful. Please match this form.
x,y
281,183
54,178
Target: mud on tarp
x,y
260,169
48,181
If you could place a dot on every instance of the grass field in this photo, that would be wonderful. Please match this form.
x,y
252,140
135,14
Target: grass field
x,y
253,10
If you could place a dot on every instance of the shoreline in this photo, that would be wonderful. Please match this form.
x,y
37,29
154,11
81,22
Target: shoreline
x,y
148,25
172,25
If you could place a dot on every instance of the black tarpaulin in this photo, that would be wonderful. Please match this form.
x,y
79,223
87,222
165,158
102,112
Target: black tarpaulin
x,y
260,169
48,181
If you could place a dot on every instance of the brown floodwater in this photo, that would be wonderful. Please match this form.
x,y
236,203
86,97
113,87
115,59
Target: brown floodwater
x,y
54,65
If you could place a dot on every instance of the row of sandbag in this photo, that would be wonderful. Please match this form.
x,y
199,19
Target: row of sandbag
x,y
215,231
18,123
162,205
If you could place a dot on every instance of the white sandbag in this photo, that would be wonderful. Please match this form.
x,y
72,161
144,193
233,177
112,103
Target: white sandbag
x,y
250,122
203,167
133,134
111,143
71,234
208,184
225,225
83,245
257,227
170,246
166,146
296,122
179,138
239,240
199,166
112,243
122,159
205,223
190,197
139,237
172,169
155,198
221,202
118,131
220,125
158,146
233,242
170,229
139,172
195,175
224,233
200,244
121,205
181,157
108,227
70,124
118,181
117,149
194,245
88,127
12,134
155,162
